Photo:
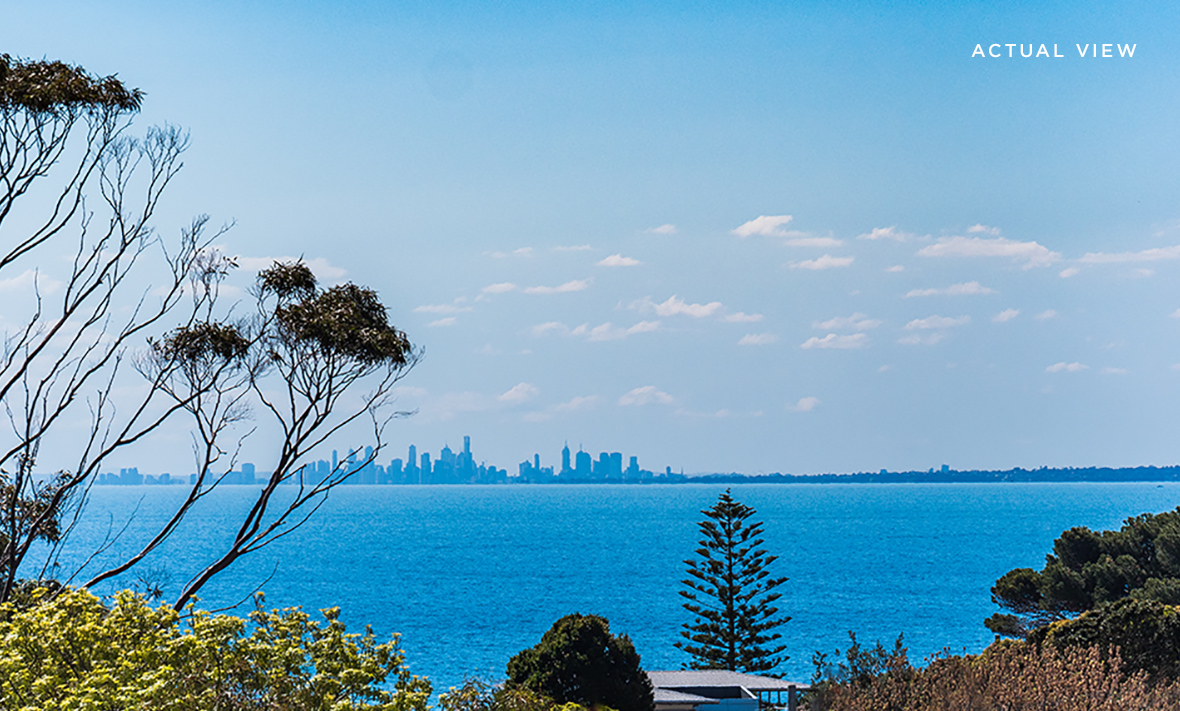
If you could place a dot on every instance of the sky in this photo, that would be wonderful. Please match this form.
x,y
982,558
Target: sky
x,y
758,237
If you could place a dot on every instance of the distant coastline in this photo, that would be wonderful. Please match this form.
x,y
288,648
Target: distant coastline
x,y
944,475
953,476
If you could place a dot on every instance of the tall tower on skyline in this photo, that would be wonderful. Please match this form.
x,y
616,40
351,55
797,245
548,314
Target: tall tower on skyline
x,y
565,459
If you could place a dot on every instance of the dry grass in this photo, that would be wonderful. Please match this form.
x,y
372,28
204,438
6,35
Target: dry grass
x,y
1006,677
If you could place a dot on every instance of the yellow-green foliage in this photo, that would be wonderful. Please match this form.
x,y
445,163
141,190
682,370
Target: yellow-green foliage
x,y
476,695
75,653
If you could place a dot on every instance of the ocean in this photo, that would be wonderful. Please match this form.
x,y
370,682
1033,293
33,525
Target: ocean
x,y
469,575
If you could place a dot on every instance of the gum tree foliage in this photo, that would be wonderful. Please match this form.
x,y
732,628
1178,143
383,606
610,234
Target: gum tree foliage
x,y
579,661
74,652
73,183
1088,569
731,594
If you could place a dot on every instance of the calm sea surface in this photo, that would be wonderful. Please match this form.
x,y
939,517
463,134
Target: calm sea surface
x,y
470,575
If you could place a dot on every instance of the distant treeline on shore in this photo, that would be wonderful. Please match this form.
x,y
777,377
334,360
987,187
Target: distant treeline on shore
x,y
952,476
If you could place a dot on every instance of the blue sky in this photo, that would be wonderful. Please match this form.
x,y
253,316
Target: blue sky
x,y
581,212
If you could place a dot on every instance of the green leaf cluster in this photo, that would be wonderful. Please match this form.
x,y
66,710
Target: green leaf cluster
x,y
343,321
205,340
74,652
1087,569
731,594
52,87
579,661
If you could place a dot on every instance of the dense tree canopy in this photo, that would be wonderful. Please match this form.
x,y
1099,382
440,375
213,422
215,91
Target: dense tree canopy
x,y
1087,569
731,594
74,652
579,661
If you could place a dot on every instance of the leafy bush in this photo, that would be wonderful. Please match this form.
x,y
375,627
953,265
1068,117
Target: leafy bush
x,y
475,695
1088,569
861,667
74,652
579,661
1146,633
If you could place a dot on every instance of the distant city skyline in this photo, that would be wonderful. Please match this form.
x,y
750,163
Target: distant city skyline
x,y
449,467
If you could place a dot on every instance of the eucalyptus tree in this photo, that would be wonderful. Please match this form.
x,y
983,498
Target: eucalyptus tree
x,y
730,594
100,296
1089,569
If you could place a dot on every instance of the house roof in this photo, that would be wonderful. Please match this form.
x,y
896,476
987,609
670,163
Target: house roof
x,y
670,696
705,678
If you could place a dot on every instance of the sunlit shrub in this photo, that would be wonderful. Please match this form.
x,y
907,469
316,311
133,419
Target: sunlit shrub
x,y
74,652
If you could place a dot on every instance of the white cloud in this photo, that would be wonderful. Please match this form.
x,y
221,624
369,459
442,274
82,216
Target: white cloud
x,y
832,340
767,225
1005,315
582,402
922,339
1030,253
1046,315
610,332
739,317
757,339
1114,371
825,262
675,307
668,229
1176,313
318,266
1156,254
937,322
1066,367
543,328
806,404
814,242
1068,272
501,288
887,233
885,369
519,393
26,280
646,395
618,260
454,308
448,321
573,248
966,289
977,229
576,285
855,322
603,332
895,269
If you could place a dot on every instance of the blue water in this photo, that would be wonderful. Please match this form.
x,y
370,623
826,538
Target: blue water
x,y
470,575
